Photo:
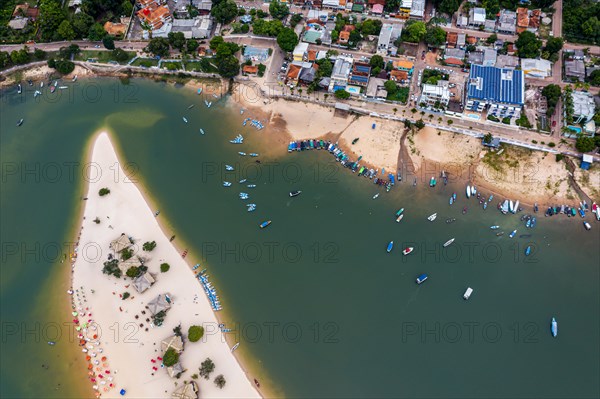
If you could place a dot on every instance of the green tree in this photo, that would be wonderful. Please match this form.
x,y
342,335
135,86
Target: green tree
x,y
111,267
448,6
390,87
20,57
164,267
552,93
414,31
149,246
591,28
488,138
103,191
220,381
207,367
51,16
229,66
420,124
554,44
191,45
224,11
295,20
371,27
39,54
65,30
109,42
287,39
133,272
435,36
278,10
325,67
342,94
96,32
528,45
377,62
4,59
158,46
354,38
585,144
126,8
335,35
120,55
595,78
170,358
492,39
215,42
195,333
81,24
177,40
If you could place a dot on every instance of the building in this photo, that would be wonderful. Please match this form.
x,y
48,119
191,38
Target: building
x,y
125,265
462,21
404,65
489,57
360,74
199,28
586,161
461,40
454,56
417,9
575,69
500,90
476,17
387,36
584,107
404,9
18,23
435,96
507,22
143,282
534,68
341,73
255,54
308,73
577,55
188,390
507,61
249,69
157,19
312,36
204,6
489,25
376,89
398,76
451,39
475,58
300,52
115,29
120,243
159,304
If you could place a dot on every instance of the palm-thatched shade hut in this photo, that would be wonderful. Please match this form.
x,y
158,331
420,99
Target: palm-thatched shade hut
x,y
160,303
186,391
120,243
174,342
143,282
177,368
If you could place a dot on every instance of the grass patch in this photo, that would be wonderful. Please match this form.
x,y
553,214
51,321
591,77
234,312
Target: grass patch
x,y
204,65
172,66
400,95
145,62
103,56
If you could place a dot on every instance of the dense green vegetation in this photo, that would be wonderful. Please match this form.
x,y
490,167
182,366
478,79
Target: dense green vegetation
x,y
552,93
227,63
581,21
528,45
396,93
195,333
287,39
414,31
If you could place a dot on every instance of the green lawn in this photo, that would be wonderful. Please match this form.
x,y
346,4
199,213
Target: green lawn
x,y
172,66
103,56
400,95
204,65
145,62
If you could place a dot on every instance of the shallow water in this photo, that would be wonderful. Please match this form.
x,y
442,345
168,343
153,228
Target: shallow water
x,y
320,308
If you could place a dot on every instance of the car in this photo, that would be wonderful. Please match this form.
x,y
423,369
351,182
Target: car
x,y
451,85
553,123
452,95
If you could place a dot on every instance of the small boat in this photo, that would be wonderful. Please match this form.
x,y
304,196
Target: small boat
x,y
485,205
295,193
450,241
41,84
201,131
468,293
450,220
491,198
535,207
399,218
242,181
494,227
499,234
407,250
191,106
451,200
528,250
355,141
421,278
265,224
587,226
251,185
581,212
52,89
473,190
511,206
19,89
432,217
253,154
464,211
74,78
390,246
199,91
400,211
228,167
516,208
454,196
468,191
51,343
20,122
36,93
157,213
256,383
242,153
63,87
554,327
235,346
415,182
432,182
185,119
226,184
511,235
376,196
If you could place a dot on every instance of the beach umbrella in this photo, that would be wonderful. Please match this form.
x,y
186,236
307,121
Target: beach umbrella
x,y
122,392
74,313
103,358
90,366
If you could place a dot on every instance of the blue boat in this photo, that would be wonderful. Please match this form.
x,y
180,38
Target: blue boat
x,y
421,278
528,250
373,126
533,222
265,224
392,178
491,198
485,205
581,212
513,233
528,224
451,200
399,211
454,196
432,182
554,327
390,246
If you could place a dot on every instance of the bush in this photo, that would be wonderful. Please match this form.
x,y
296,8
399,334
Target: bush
x,y
195,333
551,144
103,192
420,124
109,42
559,157
111,267
125,295
171,357
133,272
164,267
127,253
342,94
585,144
220,381
206,368
149,246
534,141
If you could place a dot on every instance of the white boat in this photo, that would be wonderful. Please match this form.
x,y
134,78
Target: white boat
x,y
516,208
375,196
473,190
450,241
36,93
468,293
242,153
19,89
235,346
554,327
226,184
511,206
41,84
407,250
587,226
399,218
431,218
185,119
468,191
63,87
202,131
228,167
74,78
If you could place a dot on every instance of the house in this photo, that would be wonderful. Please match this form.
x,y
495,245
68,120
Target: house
x,y
312,36
462,21
115,29
161,303
377,9
204,6
157,19
311,56
173,342
121,243
18,23
246,19
575,69
454,56
534,20
476,17
495,143
534,68
199,27
489,25
387,36
399,76
360,74
584,107
578,55
344,37
404,10
451,39
250,69
499,90
188,390
376,89
510,49
256,54
293,73
25,11
507,22
489,57
507,61
175,370
300,51
461,40
417,9
404,65
308,73
435,96
475,57
528,19
472,40
341,73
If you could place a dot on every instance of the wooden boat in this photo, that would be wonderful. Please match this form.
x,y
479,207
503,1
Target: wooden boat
x,y
390,247
355,141
407,250
449,242
499,234
265,224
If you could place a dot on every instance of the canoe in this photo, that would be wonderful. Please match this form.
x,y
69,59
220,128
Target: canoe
x,y
390,246
295,193
554,327
447,243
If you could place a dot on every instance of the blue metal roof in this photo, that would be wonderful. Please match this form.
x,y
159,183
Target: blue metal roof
x,y
501,85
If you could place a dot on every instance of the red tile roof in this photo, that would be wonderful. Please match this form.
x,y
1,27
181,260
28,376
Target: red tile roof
x,y
250,69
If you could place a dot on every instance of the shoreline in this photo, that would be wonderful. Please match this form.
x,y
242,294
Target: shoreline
x,y
233,388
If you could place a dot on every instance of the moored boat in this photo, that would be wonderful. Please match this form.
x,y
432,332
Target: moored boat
x,y
468,293
432,182
421,278
554,327
450,220
226,184
511,235
390,246
376,196
447,243
20,122
407,250
399,218
494,227
399,211
185,119
295,193
468,191
432,217
265,224
528,250
201,131
587,226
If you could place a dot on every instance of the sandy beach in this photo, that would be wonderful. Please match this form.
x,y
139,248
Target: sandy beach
x,y
121,344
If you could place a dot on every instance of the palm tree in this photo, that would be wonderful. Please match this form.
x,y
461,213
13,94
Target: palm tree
x,y
147,28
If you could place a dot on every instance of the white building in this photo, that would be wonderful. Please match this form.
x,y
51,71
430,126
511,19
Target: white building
x,y
476,17
387,36
435,96
199,28
583,106
340,74
534,68
417,9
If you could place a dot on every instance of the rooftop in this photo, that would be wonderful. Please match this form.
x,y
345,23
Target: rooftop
x,y
499,85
